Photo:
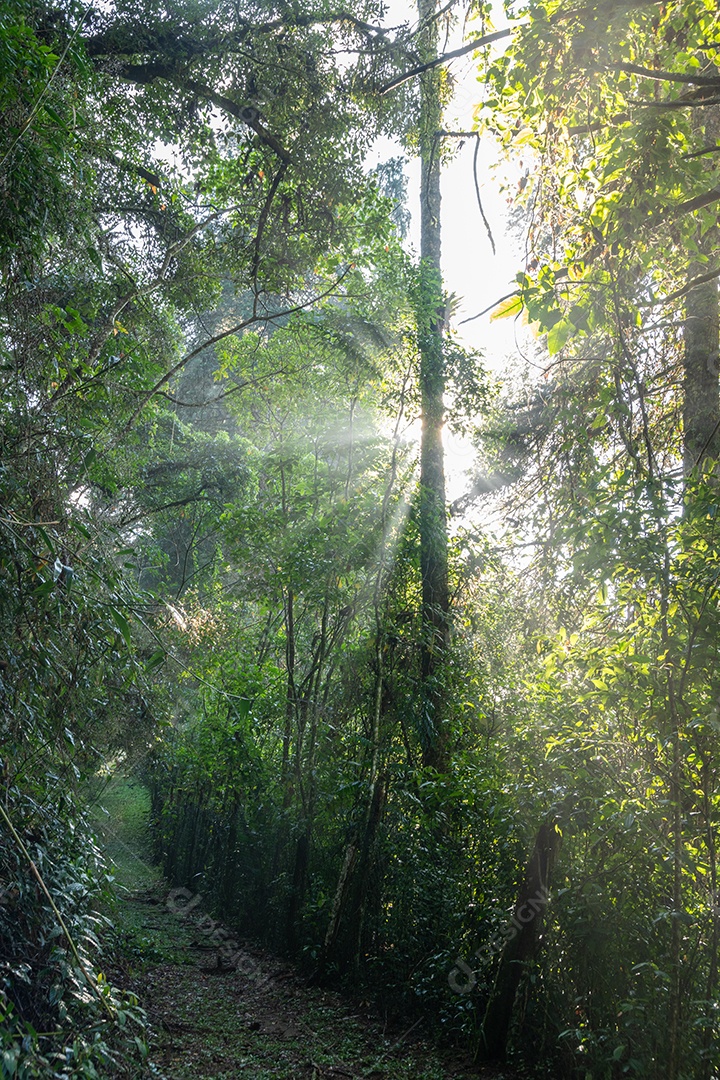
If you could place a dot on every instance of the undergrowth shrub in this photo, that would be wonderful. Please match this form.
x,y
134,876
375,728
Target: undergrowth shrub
x,y
59,1016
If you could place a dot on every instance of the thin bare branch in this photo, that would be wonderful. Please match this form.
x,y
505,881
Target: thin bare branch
x,y
252,320
43,93
136,293
476,178
262,221
490,307
470,46
226,393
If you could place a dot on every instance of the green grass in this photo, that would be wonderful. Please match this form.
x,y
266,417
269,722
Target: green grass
x,y
121,815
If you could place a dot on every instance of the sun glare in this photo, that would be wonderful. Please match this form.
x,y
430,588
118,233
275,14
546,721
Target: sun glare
x,y
459,458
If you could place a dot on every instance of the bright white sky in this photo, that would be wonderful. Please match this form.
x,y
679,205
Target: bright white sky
x,y
470,270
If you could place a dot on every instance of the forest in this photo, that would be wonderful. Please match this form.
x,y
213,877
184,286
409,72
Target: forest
x,y
459,758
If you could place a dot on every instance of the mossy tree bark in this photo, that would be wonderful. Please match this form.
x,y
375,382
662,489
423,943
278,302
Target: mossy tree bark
x,y
701,367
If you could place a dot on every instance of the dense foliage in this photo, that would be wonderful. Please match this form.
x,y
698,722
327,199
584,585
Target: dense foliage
x,y
147,213
212,528
617,450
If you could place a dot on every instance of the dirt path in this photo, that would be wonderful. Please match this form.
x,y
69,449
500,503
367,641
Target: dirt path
x,y
221,1008
254,1016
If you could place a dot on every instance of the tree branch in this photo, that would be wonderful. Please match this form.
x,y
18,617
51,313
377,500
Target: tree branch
x,y
680,103
470,46
92,982
226,393
688,207
144,74
252,320
133,38
701,279
665,76
486,223
495,303
598,125
459,134
701,153
129,166
262,220
48,83
136,293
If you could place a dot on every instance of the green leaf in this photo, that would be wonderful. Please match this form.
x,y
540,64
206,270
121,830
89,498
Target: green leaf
x,y
44,590
122,624
10,1062
578,316
512,306
46,538
157,658
558,336
54,116
95,258
80,528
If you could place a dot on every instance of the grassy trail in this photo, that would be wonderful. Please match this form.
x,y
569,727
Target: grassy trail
x,y
220,1008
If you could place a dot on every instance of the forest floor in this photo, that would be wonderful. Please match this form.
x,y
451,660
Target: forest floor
x,y
251,1014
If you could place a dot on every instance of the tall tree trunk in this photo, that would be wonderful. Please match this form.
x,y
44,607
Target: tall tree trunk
x,y
431,317
521,943
290,690
675,786
673,1065
701,404
297,891
290,693
701,441
350,895
376,799
701,381
708,788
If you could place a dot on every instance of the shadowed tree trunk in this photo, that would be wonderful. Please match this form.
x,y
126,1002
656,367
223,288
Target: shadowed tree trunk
x,y
297,890
348,910
701,409
522,939
430,317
